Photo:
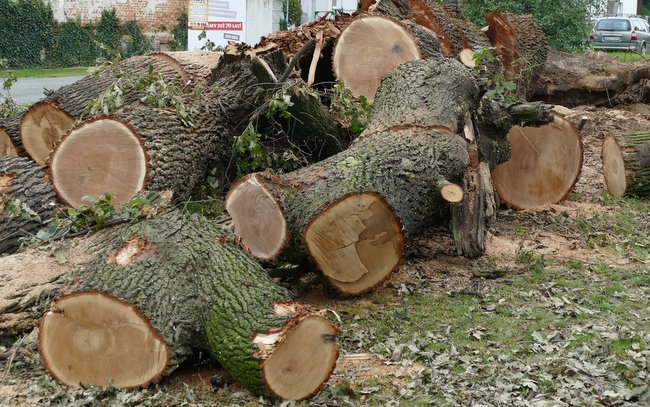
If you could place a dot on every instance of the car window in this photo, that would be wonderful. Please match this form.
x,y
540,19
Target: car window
x,y
613,25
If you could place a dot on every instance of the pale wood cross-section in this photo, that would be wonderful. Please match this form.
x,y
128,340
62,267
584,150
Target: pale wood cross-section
x,y
41,129
7,147
93,338
357,242
303,360
545,165
368,50
99,156
258,219
614,167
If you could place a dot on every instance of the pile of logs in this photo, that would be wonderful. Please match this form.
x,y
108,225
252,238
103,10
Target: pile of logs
x,y
436,150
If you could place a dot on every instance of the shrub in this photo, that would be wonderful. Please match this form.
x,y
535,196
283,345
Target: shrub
x,y
109,32
25,31
73,45
138,43
179,33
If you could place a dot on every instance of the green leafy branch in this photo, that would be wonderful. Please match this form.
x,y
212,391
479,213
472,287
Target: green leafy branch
x,y
353,112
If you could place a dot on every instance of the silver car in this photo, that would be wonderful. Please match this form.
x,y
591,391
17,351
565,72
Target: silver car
x,y
621,34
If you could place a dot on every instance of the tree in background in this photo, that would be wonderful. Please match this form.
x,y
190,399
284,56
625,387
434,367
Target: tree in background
x,y
566,23
295,12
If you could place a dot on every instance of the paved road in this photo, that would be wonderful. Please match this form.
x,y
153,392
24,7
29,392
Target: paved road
x,y
30,90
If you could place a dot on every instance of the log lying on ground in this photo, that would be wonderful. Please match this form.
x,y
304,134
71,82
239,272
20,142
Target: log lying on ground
x,y
74,98
545,165
368,50
41,129
521,45
10,144
626,164
7,146
591,79
195,67
350,212
169,287
135,149
24,188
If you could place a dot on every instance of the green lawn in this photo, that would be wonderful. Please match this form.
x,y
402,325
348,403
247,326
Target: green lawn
x,y
48,73
628,56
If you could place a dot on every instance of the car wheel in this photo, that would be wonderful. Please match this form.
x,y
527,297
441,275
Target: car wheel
x,y
643,49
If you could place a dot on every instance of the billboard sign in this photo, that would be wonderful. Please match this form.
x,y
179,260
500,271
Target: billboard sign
x,y
221,20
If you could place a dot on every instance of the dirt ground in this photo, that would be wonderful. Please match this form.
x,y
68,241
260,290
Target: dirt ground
x,y
432,267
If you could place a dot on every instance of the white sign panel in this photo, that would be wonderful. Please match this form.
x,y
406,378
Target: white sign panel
x,y
221,20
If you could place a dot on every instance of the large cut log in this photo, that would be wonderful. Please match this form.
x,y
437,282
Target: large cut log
x,y
168,287
36,131
626,164
10,144
545,165
125,153
521,45
368,50
350,212
195,67
74,98
590,79
27,199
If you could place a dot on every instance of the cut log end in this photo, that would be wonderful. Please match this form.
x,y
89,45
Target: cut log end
x,y
466,56
303,360
357,242
7,147
545,165
614,167
93,338
369,49
41,129
258,219
99,156
452,193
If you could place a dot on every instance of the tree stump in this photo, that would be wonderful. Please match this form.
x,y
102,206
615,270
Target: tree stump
x,y
23,184
10,141
170,286
545,165
626,164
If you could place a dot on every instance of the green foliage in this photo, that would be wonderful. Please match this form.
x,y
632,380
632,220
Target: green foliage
x,y
278,105
109,31
179,33
8,106
138,43
73,45
25,31
565,23
501,89
249,143
295,13
354,112
101,212
14,207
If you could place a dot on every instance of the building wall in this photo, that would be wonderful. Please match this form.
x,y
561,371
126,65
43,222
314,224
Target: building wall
x,y
150,14
262,18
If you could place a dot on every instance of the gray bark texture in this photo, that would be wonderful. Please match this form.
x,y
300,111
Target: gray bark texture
x,y
11,126
22,179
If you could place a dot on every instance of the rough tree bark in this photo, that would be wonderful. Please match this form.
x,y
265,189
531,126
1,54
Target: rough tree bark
x,y
10,136
169,286
348,211
626,164
74,98
21,179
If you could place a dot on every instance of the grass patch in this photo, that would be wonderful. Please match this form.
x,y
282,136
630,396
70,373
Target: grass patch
x,y
630,56
50,73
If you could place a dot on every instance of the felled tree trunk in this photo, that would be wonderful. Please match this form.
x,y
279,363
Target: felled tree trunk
x,y
626,164
174,285
545,165
10,144
369,49
27,199
520,43
591,79
36,131
195,67
350,212
74,98
137,148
